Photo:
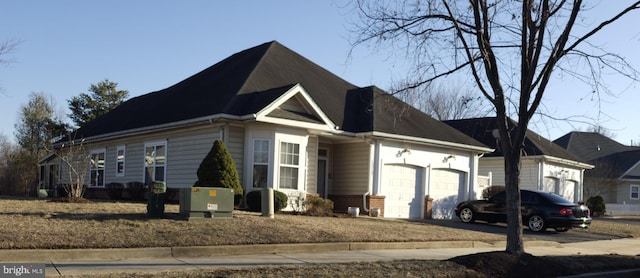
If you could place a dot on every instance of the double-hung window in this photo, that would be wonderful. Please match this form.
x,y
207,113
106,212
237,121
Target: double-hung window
x,y
120,154
96,167
260,162
155,156
289,165
635,192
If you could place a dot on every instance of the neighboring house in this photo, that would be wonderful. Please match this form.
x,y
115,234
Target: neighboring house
x,y
616,176
544,165
289,125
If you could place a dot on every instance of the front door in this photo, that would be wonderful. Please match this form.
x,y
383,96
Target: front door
x,y
321,179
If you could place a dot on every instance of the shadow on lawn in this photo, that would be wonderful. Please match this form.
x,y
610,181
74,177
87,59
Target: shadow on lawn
x,y
95,216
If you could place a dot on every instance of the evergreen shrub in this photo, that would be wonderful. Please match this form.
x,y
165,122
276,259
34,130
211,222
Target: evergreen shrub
x,y
254,200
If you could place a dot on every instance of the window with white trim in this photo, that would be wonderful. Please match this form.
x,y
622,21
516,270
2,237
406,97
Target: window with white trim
x,y
289,165
155,158
120,156
635,192
96,167
260,162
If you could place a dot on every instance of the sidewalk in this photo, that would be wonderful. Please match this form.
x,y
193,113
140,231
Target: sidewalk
x,y
153,260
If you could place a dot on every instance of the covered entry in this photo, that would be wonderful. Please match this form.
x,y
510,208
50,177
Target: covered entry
x,y
403,190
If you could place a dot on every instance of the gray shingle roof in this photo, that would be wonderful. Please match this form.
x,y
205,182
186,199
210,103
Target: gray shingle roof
x,y
248,81
481,129
611,158
590,145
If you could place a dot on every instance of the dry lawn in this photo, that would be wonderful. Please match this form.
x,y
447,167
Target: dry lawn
x,y
41,224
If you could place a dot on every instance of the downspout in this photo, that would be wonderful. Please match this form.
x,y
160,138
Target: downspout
x,y
540,176
429,181
364,201
375,157
581,187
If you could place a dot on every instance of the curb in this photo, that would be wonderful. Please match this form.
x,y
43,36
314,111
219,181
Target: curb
x,y
117,254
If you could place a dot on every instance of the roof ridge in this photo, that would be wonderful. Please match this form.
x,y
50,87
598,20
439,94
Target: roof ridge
x,y
269,47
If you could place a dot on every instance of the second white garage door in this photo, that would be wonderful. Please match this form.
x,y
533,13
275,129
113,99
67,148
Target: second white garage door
x,y
403,191
446,189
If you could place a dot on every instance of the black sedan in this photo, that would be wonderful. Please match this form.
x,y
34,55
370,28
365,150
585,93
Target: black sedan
x,y
540,210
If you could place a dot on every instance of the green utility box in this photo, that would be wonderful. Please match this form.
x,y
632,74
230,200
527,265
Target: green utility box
x,y
206,202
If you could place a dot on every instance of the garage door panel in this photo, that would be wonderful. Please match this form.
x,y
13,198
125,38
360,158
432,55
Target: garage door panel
x,y
567,190
447,190
402,189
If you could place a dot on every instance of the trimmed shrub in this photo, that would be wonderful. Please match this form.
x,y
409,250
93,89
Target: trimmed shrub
x,y
492,190
136,190
254,200
316,206
218,169
596,205
114,190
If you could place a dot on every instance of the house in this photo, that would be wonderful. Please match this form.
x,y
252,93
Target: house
x,y
544,165
292,126
616,176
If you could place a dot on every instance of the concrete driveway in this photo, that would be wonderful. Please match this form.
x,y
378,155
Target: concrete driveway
x,y
571,236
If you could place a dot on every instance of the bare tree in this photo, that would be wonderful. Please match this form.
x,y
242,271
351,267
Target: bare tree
x,y
600,180
446,102
508,48
6,48
75,162
602,131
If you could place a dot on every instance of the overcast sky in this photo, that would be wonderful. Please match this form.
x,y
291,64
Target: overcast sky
x,y
146,46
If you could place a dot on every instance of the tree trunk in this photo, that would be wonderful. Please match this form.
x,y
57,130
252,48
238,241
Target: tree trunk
x,y
512,188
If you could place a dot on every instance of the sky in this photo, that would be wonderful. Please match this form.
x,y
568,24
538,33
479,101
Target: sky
x,y
148,45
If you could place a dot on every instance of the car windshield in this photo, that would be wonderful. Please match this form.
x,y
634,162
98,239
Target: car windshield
x,y
557,199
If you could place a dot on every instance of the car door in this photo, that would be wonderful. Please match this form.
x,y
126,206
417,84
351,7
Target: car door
x,y
496,209
529,203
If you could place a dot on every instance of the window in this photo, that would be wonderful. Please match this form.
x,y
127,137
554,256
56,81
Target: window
x,y
260,162
120,153
155,155
96,167
635,192
289,165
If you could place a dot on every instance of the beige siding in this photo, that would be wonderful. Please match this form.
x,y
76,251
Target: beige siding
x,y
312,164
495,166
350,168
235,145
184,155
185,150
635,171
529,174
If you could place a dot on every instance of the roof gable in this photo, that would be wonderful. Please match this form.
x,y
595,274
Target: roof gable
x,y
272,83
295,105
239,85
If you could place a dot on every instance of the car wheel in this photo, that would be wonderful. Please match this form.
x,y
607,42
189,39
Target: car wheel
x,y
466,215
536,223
561,229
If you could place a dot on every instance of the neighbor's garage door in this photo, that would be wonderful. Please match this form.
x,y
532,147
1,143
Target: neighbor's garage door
x,y
446,189
568,190
403,190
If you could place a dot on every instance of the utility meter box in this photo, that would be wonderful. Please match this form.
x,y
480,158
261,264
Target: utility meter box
x,y
206,202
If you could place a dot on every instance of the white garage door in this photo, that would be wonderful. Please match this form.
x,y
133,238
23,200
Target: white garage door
x,y
402,187
567,190
446,189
